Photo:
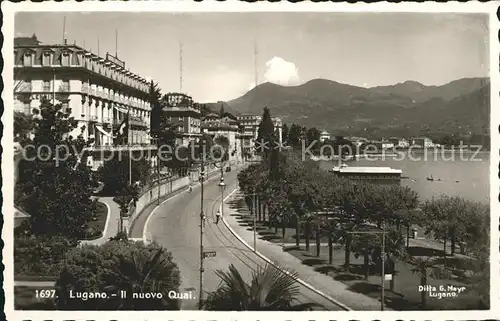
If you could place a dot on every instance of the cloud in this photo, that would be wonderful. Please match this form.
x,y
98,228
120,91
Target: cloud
x,y
281,72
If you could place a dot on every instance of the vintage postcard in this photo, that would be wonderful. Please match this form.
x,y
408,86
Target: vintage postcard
x,y
185,161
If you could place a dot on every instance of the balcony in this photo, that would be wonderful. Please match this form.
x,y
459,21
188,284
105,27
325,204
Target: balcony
x,y
93,92
93,118
85,89
64,88
107,120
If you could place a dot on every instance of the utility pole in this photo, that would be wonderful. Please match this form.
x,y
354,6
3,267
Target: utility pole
x,y
382,293
202,221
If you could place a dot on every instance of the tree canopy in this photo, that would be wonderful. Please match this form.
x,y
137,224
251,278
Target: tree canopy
x,y
55,184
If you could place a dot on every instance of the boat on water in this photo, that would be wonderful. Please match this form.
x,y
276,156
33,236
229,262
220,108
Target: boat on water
x,y
430,178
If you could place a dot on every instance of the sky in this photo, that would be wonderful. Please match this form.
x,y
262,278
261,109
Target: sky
x,y
218,60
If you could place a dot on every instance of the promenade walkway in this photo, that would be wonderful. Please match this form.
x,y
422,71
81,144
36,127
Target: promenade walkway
x,y
112,222
274,252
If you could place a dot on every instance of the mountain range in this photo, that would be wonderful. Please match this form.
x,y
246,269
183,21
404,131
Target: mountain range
x,y
406,108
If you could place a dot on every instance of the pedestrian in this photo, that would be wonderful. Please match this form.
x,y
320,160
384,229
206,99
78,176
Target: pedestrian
x,y
217,217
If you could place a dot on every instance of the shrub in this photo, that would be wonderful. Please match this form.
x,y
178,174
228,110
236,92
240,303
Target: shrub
x,y
118,265
41,256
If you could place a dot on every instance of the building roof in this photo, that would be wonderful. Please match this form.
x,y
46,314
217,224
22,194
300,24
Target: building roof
x,y
26,41
367,170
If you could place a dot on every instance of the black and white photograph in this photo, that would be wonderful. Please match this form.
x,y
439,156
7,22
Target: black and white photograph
x,y
197,158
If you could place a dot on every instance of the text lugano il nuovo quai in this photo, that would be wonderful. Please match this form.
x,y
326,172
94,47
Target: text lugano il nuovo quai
x,y
122,294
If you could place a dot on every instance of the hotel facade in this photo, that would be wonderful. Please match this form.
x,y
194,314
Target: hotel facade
x,y
99,91
180,110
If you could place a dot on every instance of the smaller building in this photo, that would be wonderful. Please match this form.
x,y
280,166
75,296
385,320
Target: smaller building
x,y
324,136
216,126
423,142
399,142
181,110
382,175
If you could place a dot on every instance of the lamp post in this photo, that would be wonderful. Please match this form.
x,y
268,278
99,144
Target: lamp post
x,y
202,222
382,278
222,187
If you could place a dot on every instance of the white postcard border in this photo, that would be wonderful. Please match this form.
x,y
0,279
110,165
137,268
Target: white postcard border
x,y
9,10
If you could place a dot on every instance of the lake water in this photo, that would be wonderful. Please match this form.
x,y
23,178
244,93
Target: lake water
x,y
472,173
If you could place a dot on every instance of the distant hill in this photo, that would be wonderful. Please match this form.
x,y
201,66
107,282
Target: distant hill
x,y
215,108
421,93
410,106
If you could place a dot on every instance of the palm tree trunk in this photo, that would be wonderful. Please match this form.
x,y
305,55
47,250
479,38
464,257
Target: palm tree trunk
x,y
444,252
297,230
307,231
330,249
366,264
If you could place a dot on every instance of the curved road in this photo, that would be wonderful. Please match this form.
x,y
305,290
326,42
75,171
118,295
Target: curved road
x,y
175,225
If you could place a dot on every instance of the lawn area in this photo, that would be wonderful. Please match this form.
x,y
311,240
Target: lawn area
x,y
405,296
96,226
25,299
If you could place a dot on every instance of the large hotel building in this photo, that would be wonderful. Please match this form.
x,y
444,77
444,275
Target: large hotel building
x,y
100,91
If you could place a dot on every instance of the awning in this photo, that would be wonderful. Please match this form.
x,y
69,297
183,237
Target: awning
x,y
122,110
99,128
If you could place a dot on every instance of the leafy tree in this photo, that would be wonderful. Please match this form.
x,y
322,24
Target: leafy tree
x,y
284,132
23,125
115,266
114,173
54,185
270,289
364,244
223,143
222,113
312,136
294,135
265,135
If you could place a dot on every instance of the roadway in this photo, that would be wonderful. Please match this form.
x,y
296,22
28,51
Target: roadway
x,y
175,226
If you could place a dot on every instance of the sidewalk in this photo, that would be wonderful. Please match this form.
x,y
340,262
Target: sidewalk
x,y
274,252
112,222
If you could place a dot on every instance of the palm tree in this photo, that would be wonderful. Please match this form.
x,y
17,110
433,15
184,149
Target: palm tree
x,y
145,274
271,289
422,266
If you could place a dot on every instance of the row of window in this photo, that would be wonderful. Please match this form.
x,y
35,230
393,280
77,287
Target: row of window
x,y
68,58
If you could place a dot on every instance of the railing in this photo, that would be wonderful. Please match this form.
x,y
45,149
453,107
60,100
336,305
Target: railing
x,y
85,89
93,117
122,147
92,92
106,120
